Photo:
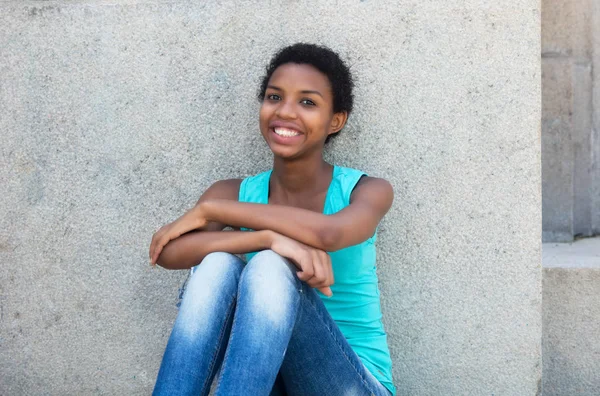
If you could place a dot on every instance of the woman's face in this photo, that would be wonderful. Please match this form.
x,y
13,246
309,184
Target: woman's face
x,y
296,115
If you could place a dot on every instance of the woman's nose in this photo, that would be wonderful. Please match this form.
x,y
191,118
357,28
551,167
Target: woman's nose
x,y
286,109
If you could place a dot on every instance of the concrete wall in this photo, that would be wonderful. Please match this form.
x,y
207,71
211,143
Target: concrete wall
x,y
571,196
571,318
570,119
115,116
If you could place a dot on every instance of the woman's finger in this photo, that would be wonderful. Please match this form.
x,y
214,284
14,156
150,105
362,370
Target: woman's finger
x,y
158,247
321,274
313,281
326,290
305,261
155,254
155,238
327,261
153,244
328,281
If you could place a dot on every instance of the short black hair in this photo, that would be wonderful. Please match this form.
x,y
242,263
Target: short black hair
x,y
323,59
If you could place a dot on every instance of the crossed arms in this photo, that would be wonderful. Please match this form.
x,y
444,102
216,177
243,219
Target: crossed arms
x,y
299,234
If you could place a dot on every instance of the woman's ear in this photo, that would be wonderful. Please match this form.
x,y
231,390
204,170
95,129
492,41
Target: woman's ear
x,y
337,122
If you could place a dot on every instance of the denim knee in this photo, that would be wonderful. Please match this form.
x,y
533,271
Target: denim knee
x,y
215,278
270,283
216,271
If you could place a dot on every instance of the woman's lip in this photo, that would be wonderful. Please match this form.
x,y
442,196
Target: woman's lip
x,y
284,125
289,129
283,139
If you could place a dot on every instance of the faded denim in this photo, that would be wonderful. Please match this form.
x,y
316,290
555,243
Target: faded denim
x,y
256,323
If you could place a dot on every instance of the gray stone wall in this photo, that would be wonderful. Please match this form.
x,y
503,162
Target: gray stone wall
x,y
571,318
570,119
115,116
571,328
571,196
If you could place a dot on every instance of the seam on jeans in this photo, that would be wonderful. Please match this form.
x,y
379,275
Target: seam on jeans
x,y
224,365
182,290
365,383
207,383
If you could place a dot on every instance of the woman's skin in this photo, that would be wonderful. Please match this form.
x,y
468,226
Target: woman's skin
x,y
299,99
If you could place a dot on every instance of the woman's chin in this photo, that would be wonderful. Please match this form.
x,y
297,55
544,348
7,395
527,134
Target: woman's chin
x,y
283,150
285,153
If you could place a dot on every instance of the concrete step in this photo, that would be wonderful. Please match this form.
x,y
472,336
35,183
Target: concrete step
x,y
571,318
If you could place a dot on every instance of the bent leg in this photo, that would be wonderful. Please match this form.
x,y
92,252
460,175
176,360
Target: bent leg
x,y
319,360
197,342
268,299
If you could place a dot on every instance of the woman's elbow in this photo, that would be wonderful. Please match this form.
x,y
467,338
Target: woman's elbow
x,y
165,263
330,238
168,258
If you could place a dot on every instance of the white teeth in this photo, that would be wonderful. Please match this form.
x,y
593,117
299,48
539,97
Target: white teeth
x,y
285,132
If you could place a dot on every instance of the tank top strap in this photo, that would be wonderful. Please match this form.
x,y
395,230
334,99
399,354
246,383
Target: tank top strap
x,y
342,186
255,189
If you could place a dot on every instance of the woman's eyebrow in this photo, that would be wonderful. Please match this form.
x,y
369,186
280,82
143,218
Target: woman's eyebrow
x,y
306,91
311,92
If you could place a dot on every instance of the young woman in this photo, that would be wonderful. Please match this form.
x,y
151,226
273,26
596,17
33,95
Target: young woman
x,y
302,315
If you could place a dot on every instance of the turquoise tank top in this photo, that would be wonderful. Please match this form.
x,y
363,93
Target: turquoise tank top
x,y
355,305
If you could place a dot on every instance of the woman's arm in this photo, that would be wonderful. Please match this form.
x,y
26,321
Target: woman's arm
x,y
370,201
218,206
190,221
190,249
314,265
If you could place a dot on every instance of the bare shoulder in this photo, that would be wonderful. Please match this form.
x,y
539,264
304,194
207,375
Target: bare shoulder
x,y
374,190
223,189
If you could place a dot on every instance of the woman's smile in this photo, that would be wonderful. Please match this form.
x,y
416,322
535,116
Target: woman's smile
x,y
285,136
285,132
296,110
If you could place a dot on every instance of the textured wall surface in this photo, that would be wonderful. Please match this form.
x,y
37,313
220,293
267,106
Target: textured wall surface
x,y
595,140
571,318
570,119
115,116
571,328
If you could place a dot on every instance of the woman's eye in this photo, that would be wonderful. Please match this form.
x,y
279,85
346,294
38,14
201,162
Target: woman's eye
x,y
307,102
273,97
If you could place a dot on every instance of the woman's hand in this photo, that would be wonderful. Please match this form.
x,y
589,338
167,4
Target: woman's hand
x,y
314,264
191,220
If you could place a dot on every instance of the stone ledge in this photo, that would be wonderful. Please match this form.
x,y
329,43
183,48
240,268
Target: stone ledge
x,y
571,324
571,317
582,253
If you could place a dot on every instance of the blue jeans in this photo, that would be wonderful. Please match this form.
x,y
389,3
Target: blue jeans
x,y
267,332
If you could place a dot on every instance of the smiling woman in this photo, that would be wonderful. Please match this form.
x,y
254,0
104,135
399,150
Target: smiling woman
x,y
301,315
297,106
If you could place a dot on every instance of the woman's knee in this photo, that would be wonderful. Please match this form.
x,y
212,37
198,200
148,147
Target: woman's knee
x,y
217,273
267,267
270,285
209,294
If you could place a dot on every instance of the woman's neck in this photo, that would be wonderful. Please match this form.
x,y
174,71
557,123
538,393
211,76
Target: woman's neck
x,y
300,177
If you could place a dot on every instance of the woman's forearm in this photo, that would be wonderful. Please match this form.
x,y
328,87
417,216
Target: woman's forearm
x,y
190,249
311,228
